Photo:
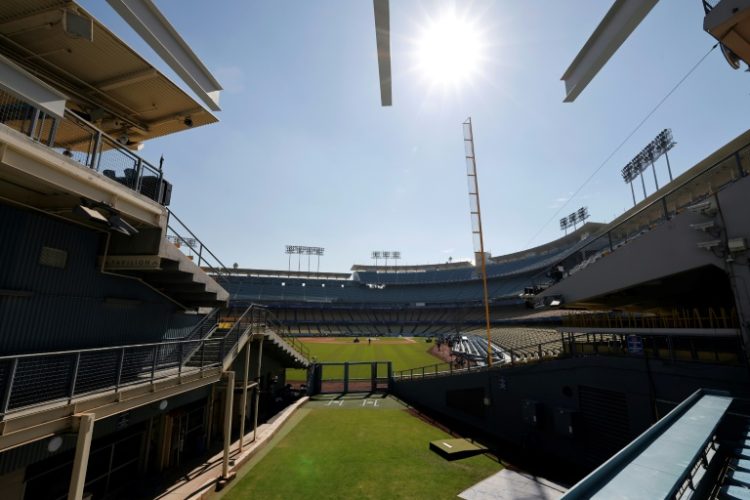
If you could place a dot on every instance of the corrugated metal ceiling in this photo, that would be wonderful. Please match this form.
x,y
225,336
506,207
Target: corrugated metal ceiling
x,y
32,34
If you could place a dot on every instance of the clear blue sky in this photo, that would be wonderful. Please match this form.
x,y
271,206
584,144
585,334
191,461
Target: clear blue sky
x,y
304,154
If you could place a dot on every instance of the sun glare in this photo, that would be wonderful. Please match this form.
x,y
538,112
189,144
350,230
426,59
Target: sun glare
x,y
449,50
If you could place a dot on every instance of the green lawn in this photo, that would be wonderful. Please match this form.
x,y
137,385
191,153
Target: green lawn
x,y
356,451
403,356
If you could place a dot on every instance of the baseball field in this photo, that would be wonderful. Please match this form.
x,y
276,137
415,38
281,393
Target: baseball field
x,y
357,447
403,352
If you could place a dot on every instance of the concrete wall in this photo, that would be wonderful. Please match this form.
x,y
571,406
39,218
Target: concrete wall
x,y
604,401
667,249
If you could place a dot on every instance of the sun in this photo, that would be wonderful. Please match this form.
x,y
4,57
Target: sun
x,y
449,49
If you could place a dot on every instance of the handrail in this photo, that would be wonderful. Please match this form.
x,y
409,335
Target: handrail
x,y
678,318
216,267
28,380
273,322
198,330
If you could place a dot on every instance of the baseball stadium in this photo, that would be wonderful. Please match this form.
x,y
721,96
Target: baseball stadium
x,y
137,361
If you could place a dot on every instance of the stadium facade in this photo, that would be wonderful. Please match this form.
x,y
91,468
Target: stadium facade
x,y
429,299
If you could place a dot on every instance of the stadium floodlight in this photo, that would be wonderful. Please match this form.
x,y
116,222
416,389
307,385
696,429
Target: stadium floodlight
x,y
583,214
648,156
376,256
573,220
564,224
300,250
386,256
396,255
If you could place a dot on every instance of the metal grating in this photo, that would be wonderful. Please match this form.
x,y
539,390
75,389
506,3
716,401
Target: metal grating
x,y
604,422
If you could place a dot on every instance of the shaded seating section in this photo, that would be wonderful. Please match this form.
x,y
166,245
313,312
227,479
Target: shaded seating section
x,y
312,321
677,457
522,264
329,291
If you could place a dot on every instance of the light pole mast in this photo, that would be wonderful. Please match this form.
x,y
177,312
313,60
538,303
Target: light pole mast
x,y
476,224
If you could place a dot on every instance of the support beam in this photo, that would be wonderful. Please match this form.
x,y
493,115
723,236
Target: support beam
x,y
257,388
383,42
620,21
27,87
81,460
245,381
228,403
146,19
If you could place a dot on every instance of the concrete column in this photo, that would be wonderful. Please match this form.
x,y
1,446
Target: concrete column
x,y
245,381
228,401
257,387
81,460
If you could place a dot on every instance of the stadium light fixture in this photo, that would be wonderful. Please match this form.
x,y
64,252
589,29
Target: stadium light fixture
x,y
648,156
564,225
300,250
396,256
583,214
573,220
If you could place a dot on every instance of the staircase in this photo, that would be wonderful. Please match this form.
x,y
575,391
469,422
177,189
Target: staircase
x,y
212,350
173,260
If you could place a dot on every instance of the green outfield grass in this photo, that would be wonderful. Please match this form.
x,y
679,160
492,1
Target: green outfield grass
x,y
357,450
402,355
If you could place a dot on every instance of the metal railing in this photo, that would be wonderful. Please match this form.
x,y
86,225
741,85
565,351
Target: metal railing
x,y
713,349
282,332
80,140
29,380
684,194
436,370
183,237
204,327
270,322
692,318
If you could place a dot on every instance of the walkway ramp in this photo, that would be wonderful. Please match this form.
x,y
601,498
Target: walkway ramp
x,y
511,485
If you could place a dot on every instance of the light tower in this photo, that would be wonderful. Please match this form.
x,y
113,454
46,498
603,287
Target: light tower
x,y
476,224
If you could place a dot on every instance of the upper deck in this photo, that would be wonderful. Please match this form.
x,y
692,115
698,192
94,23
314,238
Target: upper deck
x,y
101,78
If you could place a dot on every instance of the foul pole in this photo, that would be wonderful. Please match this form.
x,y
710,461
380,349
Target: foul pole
x,y
476,224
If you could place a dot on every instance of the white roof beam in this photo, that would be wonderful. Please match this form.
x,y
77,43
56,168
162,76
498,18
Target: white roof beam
x,y
146,19
620,21
383,40
27,87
